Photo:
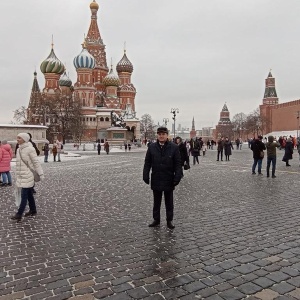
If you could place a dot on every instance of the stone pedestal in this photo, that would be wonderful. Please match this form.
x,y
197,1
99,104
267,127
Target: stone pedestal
x,y
117,135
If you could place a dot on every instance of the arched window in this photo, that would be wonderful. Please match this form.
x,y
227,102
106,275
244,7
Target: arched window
x,y
107,119
101,119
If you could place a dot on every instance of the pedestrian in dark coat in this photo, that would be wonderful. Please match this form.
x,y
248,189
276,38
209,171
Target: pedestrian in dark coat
x,y
257,147
163,159
99,147
195,150
220,148
46,152
227,148
183,153
288,152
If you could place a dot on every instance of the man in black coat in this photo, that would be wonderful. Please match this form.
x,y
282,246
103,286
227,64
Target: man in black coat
x,y
164,159
257,147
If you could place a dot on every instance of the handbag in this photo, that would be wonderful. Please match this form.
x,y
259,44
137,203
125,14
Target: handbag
x,y
36,176
186,166
262,154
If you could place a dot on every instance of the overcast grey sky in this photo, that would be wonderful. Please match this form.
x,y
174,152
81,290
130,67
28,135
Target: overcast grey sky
x,y
193,54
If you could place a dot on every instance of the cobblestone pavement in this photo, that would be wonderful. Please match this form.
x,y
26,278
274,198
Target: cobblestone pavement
x,y
237,235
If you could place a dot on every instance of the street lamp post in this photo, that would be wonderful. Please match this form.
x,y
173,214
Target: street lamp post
x,y
174,111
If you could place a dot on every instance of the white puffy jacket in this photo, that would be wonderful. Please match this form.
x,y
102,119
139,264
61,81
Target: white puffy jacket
x,y
25,178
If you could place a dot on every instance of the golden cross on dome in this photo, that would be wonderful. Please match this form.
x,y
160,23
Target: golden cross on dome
x,y
52,44
125,47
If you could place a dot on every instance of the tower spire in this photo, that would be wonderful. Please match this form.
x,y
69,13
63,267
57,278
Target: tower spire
x,y
193,124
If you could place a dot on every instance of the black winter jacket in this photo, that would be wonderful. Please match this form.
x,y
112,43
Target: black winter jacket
x,y
257,146
165,163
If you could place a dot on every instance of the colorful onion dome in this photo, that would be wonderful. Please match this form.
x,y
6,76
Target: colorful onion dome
x,y
52,64
94,5
84,59
111,79
124,65
65,80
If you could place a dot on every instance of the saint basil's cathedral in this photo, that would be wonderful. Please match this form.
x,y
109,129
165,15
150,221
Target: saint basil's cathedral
x,y
100,92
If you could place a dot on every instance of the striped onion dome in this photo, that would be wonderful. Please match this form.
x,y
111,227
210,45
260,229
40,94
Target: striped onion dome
x,y
52,64
124,65
111,79
84,59
65,80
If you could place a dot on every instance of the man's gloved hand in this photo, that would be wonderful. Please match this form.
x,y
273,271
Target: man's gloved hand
x,y
147,181
176,183
42,177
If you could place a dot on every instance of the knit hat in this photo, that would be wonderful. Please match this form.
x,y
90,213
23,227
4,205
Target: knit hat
x,y
24,136
4,142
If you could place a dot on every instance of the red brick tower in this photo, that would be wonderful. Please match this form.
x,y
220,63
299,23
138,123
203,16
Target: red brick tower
x,y
126,90
193,131
270,99
224,127
96,47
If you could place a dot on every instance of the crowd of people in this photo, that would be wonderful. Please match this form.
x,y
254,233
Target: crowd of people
x,y
167,159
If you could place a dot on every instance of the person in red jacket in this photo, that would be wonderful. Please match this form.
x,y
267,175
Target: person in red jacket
x,y
6,155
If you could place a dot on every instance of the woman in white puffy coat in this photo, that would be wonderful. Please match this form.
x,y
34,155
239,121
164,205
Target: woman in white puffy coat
x,y
26,158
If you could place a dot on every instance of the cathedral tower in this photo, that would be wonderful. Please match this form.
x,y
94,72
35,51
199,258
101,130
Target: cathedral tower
x,y
84,88
34,101
126,90
96,48
224,127
52,68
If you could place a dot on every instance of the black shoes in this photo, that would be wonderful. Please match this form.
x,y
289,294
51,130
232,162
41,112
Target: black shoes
x,y
253,173
260,174
154,223
17,217
288,165
273,176
170,225
30,214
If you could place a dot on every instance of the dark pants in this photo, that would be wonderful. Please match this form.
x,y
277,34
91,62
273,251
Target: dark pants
x,y
258,162
195,158
220,152
27,195
168,203
269,160
99,151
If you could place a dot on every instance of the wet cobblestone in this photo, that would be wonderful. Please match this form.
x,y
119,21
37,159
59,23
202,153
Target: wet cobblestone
x,y
237,235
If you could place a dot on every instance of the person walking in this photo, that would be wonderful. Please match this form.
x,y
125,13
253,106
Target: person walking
x,y
298,148
6,155
227,148
59,147
271,146
288,152
54,152
106,147
163,159
195,150
204,148
257,147
220,149
26,162
183,154
98,147
46,152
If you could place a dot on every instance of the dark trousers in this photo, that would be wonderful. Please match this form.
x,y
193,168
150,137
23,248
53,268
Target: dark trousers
x,y
195,158
99,151
269,160
258,162
169,203
220,152
27,195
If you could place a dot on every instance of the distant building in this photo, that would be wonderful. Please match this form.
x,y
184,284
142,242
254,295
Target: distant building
x,y
224,127
193,132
